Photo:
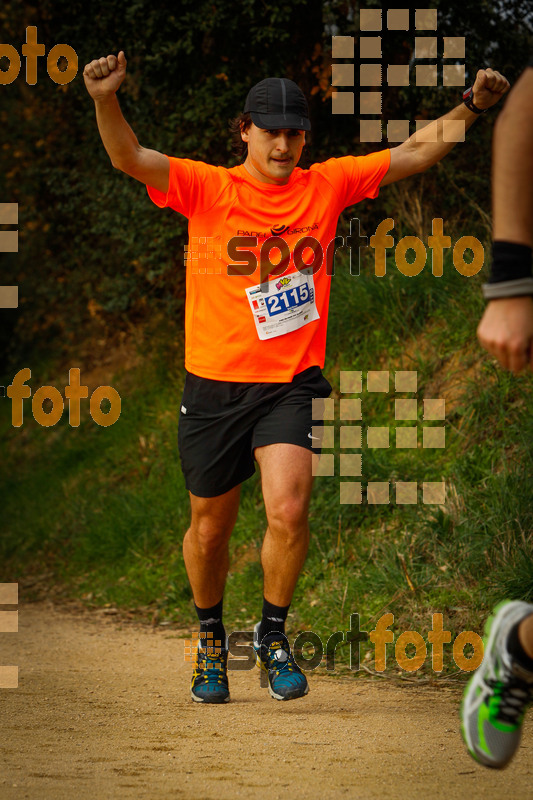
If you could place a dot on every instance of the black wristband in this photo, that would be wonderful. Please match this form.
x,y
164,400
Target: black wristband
x,y
510,261
468,100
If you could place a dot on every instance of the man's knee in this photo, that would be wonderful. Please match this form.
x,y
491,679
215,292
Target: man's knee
x,y
212,521
289,514
209,536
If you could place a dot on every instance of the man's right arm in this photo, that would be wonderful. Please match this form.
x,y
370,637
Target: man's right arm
x,y
102,78
506,329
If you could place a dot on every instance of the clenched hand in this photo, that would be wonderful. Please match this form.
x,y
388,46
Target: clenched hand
x,y
103,76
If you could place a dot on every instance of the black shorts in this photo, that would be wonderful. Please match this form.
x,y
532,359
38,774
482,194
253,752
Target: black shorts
x,y
221,422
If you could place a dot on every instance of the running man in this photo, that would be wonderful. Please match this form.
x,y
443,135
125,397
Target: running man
x,y
500,691
254,347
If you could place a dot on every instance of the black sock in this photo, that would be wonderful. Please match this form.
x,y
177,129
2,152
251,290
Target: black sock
x,y
273,619
516,649
212,631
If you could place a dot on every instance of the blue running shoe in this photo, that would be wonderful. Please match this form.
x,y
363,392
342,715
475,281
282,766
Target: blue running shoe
x,y
498,694
286,680
209,682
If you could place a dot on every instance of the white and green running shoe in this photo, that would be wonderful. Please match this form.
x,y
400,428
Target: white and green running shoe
x,y
498,693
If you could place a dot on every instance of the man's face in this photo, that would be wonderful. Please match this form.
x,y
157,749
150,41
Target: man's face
x,y
272,154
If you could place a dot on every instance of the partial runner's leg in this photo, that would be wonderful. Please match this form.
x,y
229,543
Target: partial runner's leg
x,y
525,636
205,545
205,551
287,481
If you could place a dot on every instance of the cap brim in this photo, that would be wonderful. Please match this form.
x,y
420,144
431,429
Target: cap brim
x,y
274,121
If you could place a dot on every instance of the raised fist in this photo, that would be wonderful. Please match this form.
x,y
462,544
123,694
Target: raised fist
x,y
103,76
489,87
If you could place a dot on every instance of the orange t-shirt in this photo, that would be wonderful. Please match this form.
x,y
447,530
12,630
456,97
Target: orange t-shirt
x,y
224,321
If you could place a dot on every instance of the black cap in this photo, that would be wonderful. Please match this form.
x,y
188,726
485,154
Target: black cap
x,y
278,103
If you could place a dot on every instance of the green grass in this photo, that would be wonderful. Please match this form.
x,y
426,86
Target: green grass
x,y
102,511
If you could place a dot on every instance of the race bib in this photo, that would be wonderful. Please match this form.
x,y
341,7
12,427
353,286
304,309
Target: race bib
x,y
288,304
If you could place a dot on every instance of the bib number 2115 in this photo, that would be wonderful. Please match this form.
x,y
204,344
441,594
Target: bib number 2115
x,y
278,303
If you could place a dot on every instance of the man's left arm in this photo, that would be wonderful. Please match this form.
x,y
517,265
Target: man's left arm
x,y
413,155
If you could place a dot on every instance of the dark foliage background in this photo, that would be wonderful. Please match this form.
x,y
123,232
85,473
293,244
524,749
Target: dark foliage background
x,y
95,254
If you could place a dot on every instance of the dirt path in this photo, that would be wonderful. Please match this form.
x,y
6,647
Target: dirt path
x,y
103,711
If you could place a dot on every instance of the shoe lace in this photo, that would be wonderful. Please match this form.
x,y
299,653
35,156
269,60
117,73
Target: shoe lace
x,y
511,698
285,664
212,668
